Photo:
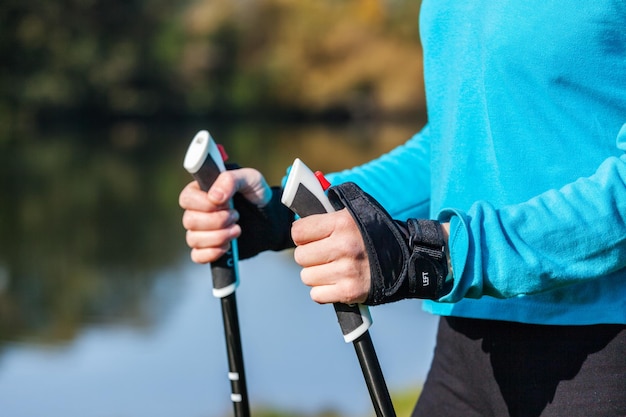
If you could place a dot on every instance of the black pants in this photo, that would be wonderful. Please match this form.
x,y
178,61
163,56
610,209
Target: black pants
x,y
491,368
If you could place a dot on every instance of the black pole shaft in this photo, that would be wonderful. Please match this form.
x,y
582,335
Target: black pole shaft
x,y
304,195
373,376
236,374
204,162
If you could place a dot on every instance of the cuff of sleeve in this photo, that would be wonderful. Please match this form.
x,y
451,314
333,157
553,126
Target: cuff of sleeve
x,y
459,250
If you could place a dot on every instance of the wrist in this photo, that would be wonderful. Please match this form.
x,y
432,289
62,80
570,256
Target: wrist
x,y
445,231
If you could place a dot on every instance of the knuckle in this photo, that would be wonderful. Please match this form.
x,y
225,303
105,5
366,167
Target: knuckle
x,y
196,256
298,256
316,296
343,219
305,277
183,199
188,220
345,269
222,218
227,180
346,297
352,294
205,256
190,238
296,232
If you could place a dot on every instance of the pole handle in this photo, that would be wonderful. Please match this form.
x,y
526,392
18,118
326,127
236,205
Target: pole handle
x,y
304,195
205,162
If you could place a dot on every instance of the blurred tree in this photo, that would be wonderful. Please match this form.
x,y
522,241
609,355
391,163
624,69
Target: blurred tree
x,y
77,244
83,59
93,60
354,57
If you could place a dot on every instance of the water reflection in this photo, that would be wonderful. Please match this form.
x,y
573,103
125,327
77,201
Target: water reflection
x,y
82,225
102,313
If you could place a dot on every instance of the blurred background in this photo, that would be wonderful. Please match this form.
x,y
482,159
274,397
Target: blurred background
x,y
102,313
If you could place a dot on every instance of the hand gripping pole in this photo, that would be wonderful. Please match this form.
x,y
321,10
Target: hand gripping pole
x,y
204,162
305,196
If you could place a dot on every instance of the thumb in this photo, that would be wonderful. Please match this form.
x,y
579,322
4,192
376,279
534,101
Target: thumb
x,y
247,181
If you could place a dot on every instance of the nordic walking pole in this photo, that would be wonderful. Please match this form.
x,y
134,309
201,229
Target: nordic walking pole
x,y
304,195
204,162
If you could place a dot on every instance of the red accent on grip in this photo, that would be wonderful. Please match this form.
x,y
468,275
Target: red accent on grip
x,y
323,181
222,152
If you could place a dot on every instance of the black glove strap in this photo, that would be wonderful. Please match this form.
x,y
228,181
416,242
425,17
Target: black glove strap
x,y
265,228
407,259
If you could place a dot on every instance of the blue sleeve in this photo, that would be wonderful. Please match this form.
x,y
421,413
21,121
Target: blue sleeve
x,y
399,180
558,238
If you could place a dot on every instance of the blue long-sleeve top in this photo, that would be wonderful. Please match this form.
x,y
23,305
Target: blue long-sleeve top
x,y
524,154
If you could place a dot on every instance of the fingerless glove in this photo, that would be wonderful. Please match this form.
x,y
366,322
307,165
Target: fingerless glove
x,y
263,228
407,259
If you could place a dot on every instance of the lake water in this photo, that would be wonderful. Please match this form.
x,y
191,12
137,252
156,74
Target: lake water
x,y
102,314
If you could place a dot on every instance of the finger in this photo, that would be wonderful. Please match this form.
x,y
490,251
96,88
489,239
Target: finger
x,y
312,228
318,276
200,220
212,239
343,273
323,295
247,181
342,281
323,249
318,252
252,185
208,255
193,198
337,293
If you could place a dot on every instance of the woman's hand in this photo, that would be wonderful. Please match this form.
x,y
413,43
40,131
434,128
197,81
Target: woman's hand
x,y
210,220
332,253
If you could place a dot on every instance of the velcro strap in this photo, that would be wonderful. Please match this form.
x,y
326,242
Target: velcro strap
x,y
428,232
